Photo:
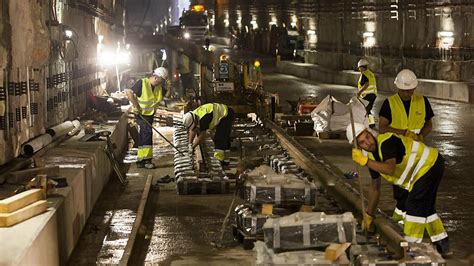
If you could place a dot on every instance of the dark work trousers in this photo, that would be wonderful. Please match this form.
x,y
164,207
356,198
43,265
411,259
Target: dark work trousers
x,y
421,199
186,82
145,138
222,135
400,195
371,99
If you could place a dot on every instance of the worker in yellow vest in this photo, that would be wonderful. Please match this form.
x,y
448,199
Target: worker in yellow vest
x,y
145,95
205,118
185,74
409,114
414,167
367,88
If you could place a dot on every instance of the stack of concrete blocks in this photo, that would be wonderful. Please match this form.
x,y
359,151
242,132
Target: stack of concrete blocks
x,y
189,179
300,238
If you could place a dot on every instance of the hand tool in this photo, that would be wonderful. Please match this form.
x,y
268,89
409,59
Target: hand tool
x,y
161,135
362,204
109,150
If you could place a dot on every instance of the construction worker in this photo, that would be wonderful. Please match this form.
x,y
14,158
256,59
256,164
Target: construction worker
x,y
409,114
367,88
207,117
185,72
414,167
145,95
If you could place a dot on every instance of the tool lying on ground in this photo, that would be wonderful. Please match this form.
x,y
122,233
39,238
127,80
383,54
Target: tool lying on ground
x,y
109,150
161,135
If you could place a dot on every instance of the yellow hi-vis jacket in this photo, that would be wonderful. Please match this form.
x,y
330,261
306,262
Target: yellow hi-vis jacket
x,y
415,119
150,98
218,110
417,161
372,88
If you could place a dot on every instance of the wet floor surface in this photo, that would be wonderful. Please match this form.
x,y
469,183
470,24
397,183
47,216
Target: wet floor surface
x,y
452,135
184,230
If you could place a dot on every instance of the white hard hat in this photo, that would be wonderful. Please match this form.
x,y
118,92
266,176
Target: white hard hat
x,y
188,119
358,128
161,72
362,63
406,80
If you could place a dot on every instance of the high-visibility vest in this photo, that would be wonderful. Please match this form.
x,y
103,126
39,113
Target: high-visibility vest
x,y
417,161
415,119
150,98
218,111
372,88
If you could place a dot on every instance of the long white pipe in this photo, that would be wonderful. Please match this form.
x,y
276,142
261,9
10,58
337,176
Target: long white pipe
x,y
61,129
77,128
36,144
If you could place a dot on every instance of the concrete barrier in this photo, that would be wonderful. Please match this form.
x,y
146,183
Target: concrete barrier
x,y
49,238
447,90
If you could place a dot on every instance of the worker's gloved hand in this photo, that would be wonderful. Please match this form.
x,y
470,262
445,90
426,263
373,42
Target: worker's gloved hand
x,y
411,134
420,138
136,109
191,149
359,157
368,223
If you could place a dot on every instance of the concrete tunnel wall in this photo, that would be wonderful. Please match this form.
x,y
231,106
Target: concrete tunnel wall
x,y
27,40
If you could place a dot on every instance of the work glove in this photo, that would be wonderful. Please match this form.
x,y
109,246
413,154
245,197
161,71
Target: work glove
x,y
411,134
420,138
191,149
136,110
359,157
368,223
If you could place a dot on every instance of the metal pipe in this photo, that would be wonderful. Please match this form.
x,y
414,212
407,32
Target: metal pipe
x,y
36,144
60,130
76,129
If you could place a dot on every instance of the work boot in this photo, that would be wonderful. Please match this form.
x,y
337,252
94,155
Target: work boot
x,y
146,165
442,246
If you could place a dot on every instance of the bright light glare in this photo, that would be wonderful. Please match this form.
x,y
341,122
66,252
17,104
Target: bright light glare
x,y
445,34
68,33
369,42
186,35
311,32
108,58
368,34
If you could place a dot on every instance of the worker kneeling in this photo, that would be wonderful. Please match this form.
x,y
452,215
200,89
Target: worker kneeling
x,y
410,165
207,117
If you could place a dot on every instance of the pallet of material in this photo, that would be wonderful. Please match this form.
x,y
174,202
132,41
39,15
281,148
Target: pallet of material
x,y
263,185
267,256
250,221
305,230
192,186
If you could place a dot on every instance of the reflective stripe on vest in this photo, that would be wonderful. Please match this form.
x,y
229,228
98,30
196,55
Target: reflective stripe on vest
x,y
417,161
219,111
415,119
372,88
149,98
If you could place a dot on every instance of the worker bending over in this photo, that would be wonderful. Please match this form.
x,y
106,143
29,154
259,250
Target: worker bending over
x,y
367,88
207,117
145,95
412,166
409,114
